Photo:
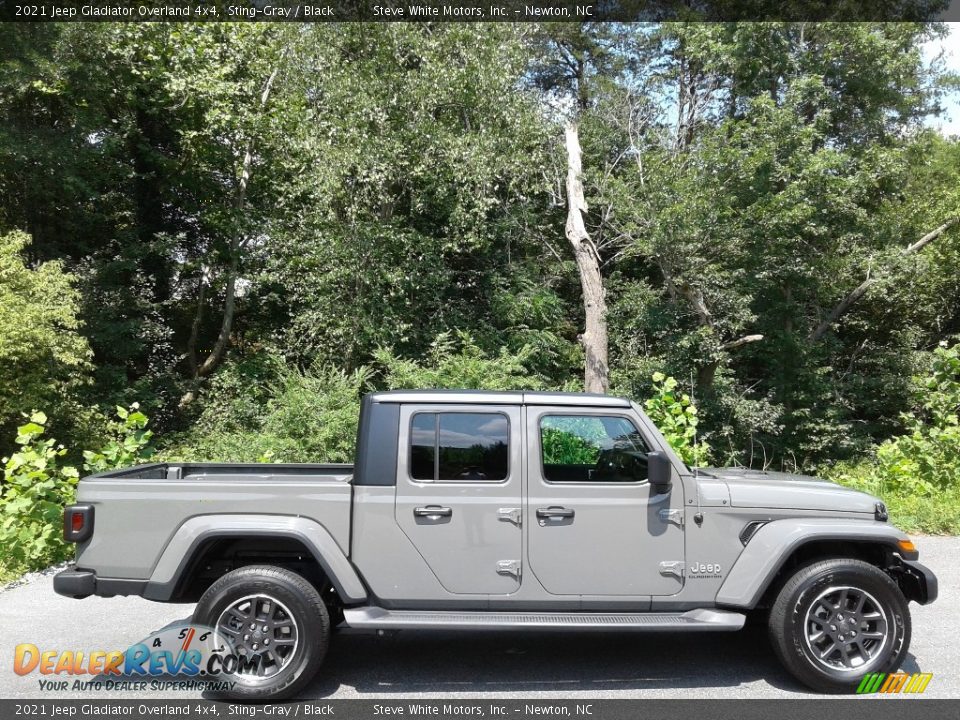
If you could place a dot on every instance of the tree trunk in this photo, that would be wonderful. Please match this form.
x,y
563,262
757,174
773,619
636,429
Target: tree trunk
x,y
596,376
858,292
219,350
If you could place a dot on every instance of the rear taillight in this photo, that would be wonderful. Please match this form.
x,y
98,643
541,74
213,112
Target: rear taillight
x,y
77,523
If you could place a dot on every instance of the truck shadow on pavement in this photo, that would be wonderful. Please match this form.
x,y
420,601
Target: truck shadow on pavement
x,y
522,662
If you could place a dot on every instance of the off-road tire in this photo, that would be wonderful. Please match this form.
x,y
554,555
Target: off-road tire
x,y
789,623
306,609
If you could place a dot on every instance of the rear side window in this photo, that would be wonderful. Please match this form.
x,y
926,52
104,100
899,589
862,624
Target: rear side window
x,y
459,446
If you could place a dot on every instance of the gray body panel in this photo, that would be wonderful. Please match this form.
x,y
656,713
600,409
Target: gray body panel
x,y
405,552
463,549
784,491
200,528
140,511
774,542
618,536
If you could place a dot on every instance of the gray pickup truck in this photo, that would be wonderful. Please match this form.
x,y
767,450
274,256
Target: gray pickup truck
x,y
501,511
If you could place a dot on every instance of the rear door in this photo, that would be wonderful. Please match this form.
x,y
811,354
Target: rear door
x,y
459,493
595,525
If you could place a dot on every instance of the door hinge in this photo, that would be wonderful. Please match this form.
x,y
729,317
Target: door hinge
x,y
509,567
672,567
672,515
512,515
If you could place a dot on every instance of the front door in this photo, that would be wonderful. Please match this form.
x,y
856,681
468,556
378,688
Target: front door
x,y
458,494
595,525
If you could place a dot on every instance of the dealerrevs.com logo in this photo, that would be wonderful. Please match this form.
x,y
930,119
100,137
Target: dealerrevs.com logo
x,y
185,656
892,683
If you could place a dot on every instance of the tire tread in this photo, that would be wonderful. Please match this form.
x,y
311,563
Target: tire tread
x,y
268,577
783,608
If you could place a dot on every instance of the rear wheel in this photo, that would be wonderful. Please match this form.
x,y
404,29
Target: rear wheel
x,y
835,621
275,621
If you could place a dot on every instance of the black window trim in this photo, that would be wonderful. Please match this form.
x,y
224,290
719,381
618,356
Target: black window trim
x,y
601,412
436,451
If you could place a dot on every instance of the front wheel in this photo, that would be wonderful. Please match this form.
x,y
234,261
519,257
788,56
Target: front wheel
x,y
835,621
275,621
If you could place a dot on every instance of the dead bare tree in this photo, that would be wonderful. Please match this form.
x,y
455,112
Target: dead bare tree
x,y
596,376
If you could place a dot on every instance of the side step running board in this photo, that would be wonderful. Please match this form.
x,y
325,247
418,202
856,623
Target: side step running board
x,y
702,619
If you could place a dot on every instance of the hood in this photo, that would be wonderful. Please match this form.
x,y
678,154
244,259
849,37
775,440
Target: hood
x,y
762,489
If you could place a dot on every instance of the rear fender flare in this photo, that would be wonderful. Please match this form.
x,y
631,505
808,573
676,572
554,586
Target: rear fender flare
x,y
771,546
186,541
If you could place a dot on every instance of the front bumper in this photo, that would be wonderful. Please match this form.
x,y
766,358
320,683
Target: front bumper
x,y
77,584
918,582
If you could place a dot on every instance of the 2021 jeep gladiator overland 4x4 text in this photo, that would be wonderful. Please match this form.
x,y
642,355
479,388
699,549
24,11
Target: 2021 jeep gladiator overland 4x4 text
x,y
518,510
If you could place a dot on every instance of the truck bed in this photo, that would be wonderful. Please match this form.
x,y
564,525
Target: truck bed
x,y
147,504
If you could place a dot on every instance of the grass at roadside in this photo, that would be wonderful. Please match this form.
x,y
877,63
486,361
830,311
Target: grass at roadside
x,y
932,516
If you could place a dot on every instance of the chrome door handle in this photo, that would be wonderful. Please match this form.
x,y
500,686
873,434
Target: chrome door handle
x,y
434,512
554,512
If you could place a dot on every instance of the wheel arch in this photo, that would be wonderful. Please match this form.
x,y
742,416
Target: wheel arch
x,y
781,545
197,537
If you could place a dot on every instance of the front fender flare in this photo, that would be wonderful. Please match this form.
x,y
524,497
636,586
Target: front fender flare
x,y
775,542
176,556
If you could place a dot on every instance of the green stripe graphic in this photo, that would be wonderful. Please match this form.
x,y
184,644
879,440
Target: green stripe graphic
x,y
871,683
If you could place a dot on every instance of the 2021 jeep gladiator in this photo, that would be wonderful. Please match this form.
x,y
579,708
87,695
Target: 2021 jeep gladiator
x,y
519,510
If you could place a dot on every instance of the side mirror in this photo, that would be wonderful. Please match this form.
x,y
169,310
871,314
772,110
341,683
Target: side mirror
x,y
659,471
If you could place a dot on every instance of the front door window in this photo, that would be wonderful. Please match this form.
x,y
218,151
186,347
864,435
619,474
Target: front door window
x,y
592,448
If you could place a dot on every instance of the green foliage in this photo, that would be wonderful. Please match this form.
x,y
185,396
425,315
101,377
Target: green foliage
x,y
264,410
939,515
129,444
561,447
404,212
313,415
913,512
36,486
676,416
44,361
924,462
756,207
572,440
459,363
417,167
926,459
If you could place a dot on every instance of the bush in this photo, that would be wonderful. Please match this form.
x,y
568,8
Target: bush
x,y
313,416
37,485
130,444
564,447
44,361
918,473
460,363
35,490
261,409
303,416
937,514
676,417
